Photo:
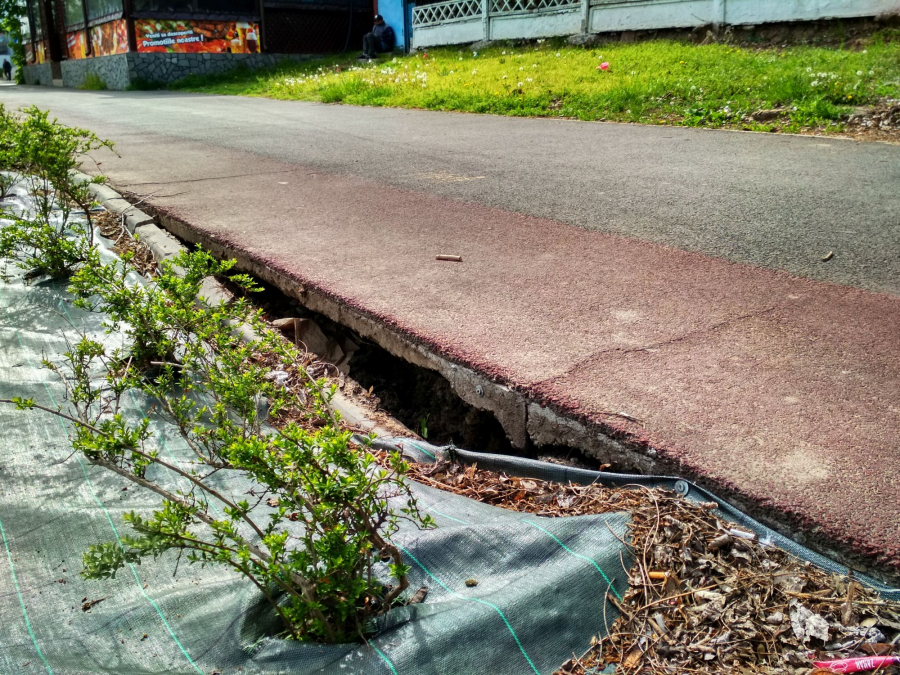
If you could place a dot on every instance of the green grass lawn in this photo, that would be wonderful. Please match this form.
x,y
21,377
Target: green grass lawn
x,y
658,82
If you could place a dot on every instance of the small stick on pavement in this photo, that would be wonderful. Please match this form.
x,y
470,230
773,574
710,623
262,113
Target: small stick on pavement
x,y
450,258
828,256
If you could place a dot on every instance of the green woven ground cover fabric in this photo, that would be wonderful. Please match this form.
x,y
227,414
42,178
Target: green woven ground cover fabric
x,y
539,598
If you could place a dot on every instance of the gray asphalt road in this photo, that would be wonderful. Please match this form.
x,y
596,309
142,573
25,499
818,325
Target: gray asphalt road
x,y
780,202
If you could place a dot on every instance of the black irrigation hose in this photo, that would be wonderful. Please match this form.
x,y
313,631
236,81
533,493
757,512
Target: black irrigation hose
x,y
530,468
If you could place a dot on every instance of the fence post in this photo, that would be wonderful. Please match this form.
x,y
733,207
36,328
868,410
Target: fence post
x,y
718,15
486,18
585,16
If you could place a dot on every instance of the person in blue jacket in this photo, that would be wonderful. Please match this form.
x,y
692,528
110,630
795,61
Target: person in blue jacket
x,y
380,40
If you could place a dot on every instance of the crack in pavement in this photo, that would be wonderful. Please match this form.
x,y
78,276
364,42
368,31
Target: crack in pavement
x,y
212,178
657,345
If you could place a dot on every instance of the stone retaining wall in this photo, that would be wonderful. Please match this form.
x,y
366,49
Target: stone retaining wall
x,y
113,70
121,70
40,73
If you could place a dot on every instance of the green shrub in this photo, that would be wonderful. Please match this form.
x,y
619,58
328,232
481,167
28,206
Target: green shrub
x,y
47,240
142,84
93,82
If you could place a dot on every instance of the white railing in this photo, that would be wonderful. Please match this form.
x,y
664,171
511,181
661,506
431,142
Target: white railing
x,y
467,21
510,6
445,12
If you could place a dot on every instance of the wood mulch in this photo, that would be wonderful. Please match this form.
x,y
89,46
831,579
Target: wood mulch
x,y
704,596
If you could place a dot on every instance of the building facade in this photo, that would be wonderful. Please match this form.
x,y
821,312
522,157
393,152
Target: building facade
x,y
140,42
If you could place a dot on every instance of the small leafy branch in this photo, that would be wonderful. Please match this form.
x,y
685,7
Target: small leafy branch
x,y
46,240
315,538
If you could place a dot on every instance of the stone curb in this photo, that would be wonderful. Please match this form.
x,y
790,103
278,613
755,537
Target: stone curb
x,y
161,244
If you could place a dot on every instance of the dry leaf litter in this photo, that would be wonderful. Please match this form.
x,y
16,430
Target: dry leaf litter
x,y
112,227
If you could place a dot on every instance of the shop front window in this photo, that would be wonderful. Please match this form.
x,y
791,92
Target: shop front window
x,y
195,7
104,9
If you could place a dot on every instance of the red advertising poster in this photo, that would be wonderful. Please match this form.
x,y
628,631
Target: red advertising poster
x,y
29,52
109,38
220,37
76,45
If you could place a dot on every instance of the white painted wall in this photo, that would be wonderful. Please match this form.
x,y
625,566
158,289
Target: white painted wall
x,y
749,11
607,17
551,24
621,15
451,33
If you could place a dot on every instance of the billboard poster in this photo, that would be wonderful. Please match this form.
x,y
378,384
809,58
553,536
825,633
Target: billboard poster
x,y
40,52
29,53
217,37
76,45
109,38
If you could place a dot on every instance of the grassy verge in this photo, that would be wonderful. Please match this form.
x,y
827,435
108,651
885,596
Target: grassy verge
x,y
658,82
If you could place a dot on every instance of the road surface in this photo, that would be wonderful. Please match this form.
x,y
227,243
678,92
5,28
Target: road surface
x,y
673,274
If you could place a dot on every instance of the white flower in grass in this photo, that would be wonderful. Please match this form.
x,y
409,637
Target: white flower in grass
x,y
557,54
859,73
528,79
474,72
521,83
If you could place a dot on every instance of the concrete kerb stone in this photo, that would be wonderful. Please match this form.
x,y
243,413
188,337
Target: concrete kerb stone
x,y
115,203
137,218
161,244
118,206
104,193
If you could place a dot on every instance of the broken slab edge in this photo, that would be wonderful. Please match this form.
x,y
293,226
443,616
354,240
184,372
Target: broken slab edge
x,y
546,427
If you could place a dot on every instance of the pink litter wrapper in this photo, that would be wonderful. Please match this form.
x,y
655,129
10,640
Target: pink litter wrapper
x,y
858,665
604,66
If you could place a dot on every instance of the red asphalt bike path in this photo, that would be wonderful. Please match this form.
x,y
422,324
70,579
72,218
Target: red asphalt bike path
x,y
778,391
